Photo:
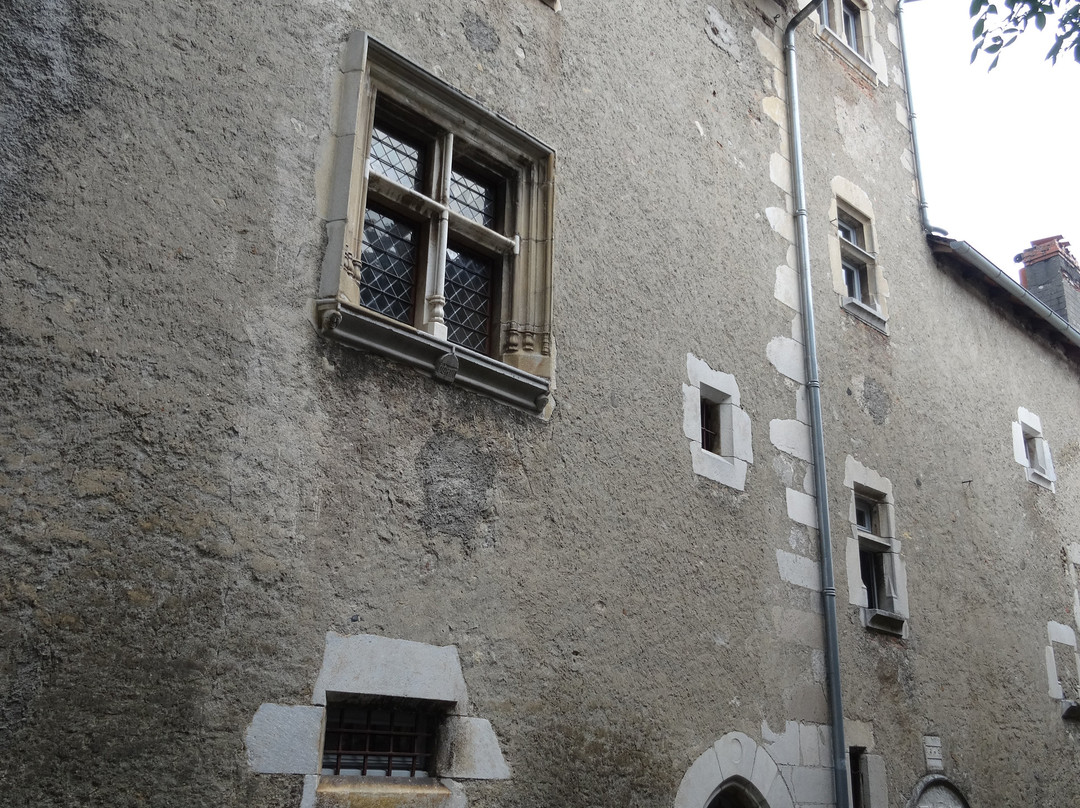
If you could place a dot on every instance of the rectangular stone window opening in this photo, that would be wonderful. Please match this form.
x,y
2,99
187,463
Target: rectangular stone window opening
x,y
716,422
1031,450
856,761
380,737
872,567
439,230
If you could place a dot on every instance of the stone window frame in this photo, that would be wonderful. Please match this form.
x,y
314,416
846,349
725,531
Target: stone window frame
x,y
288,738
866,54
1062,635
1031,450
706,385
520,368
852,211
891,615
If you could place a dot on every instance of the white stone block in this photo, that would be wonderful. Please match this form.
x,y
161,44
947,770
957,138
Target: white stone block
x,y
813,785
877,784
1019,448
809,745
780,796
802,508
1029,419
699,373
859,733
1051,675
856,472
1061,633
855,589
791,437
776,109
741,442
735,752
284,739
786,288
786,355
731,473
799,570
784,746
782,222
381,666
780,172
766,47
802,405
307,798
469,750
764,772
691,424
700,781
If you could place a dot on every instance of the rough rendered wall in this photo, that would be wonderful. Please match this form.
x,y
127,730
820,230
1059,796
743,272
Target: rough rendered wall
x,y
196,487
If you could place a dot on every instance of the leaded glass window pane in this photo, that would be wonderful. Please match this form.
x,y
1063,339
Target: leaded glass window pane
x,y
397,159
388,265
468,298
472,198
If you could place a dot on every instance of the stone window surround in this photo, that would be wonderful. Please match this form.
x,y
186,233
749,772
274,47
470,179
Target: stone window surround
x,y
1062,635
521,370
723,389
1027,435
869,59
854,204
287,739
936,790
868,484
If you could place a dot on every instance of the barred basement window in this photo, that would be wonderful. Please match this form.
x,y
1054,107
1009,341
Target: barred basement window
x,y
439,248
383,738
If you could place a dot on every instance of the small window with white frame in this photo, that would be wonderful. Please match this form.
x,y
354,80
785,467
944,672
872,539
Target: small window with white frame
x,y
716,426
877,580
857,274
439,232
1031,450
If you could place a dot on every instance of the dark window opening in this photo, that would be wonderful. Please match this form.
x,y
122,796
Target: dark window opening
x,y
856,763
383,738
872,569
710,426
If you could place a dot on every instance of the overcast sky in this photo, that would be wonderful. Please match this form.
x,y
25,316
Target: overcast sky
x,y
1000,151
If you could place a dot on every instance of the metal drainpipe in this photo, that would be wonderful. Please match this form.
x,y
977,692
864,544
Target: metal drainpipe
x,y
923,207
817,436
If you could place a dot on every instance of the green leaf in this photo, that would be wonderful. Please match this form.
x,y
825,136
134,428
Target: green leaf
x,y
975,53
993,64
975,6
976,32
1040,20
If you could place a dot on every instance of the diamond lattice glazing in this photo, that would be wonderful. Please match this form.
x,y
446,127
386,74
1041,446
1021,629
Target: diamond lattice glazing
x,y
388,266
468,298
396,159
472,198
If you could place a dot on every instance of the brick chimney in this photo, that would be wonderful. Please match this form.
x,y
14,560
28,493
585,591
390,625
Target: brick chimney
x,y
1051,273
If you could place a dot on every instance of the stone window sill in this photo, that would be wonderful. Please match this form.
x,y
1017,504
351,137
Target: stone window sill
x,y
845,51
868,314
884,621
444,361
380,792
1040,479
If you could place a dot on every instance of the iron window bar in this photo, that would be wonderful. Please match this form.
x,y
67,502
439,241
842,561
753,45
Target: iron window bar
x,y
384,740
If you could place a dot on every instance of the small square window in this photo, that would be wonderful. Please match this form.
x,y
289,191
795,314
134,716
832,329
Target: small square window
x,y
1031,450
380,737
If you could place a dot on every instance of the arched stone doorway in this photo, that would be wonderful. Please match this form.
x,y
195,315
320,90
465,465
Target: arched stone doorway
x,y
737,793
935,791
734,773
